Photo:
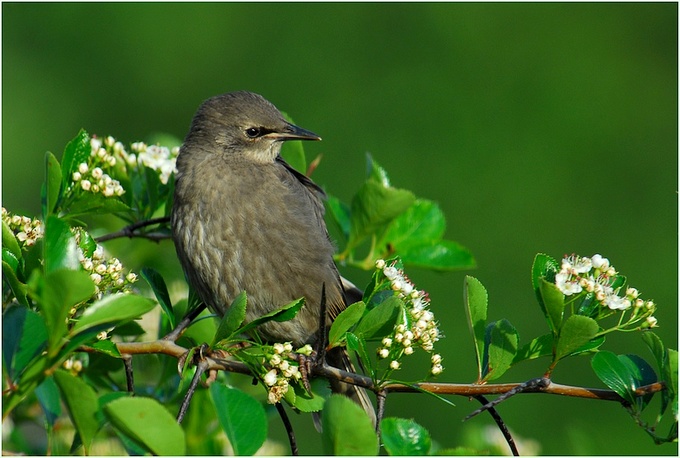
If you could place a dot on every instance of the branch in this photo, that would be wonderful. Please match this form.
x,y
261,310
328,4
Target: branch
x,y
129,231
167,347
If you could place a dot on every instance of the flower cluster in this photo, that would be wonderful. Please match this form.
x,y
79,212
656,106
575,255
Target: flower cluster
x,y
597,277
26,230
90,176
158,158
106,273
284,370
418,329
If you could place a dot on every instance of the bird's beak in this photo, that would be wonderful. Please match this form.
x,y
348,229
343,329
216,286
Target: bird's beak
x,y
292,132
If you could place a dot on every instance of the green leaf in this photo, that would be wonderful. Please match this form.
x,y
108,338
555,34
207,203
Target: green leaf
x,y
148,424
9,273
61,250
502,340
476,301
242,418
48,397
667,368
285,313
442,255
347,429
107,347
543,267
375,205
358,345
623,374
421,222
576,332
380,320
113,310
304,402
160,290
402,437
76,152
9,241
553,304
56,293
340,213
344,322
24,336
536,348
53,181
232,319
81,401
96,204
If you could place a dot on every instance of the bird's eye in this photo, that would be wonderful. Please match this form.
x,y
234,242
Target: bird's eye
x,y
253,132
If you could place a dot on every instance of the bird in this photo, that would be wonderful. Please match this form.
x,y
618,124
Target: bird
x,y
244,220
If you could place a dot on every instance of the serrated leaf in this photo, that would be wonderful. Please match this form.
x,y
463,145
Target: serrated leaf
x,y
553,304
347,429
112,310
232,319
441,255
146,422
576,332
643,374
344,322
503,339
380,320
81,401
476,303
61,250
242,418
160,290
53,183
402,437
543,267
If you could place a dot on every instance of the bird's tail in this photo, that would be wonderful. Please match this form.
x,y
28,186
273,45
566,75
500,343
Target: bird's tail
x,y
339,358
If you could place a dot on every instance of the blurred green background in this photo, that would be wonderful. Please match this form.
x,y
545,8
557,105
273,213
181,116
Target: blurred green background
x,y
537,127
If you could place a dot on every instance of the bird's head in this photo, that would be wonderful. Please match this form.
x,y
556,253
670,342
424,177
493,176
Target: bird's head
x,y
245,124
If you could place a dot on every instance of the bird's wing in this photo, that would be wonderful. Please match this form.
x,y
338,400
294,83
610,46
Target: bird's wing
x,y
337,300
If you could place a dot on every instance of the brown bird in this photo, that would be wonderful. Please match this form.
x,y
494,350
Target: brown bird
x,y
245,220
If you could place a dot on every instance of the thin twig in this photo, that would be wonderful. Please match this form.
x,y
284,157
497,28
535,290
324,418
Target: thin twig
x,y
201,367
129,231
289,429
532,385
127,362
501,425
381,397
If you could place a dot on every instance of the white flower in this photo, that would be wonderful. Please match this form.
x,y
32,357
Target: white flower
x,y
615,302
380,264
394,365
387,342
86,185
76,176
437,369
651,321
270,378
390,272
278,348
383,353
275,360
408,350
599,262
436,358
97,173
